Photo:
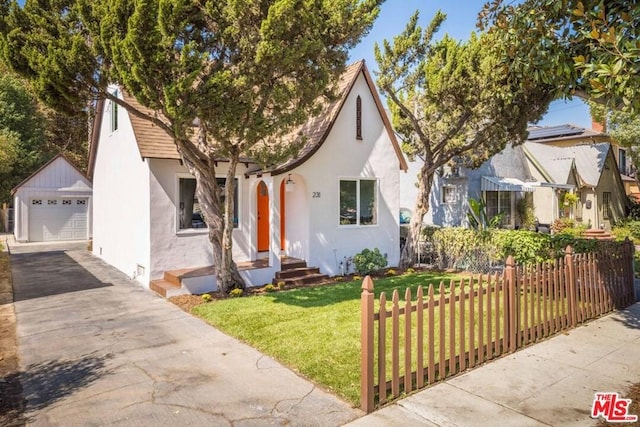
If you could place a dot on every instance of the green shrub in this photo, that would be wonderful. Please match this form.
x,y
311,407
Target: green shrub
x,y
627,228
369,260
454,245
269,288
560,241
526,246
236,293
526,213
206,298
561,224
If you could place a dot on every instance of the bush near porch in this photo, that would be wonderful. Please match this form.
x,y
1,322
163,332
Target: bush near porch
x,y
485,251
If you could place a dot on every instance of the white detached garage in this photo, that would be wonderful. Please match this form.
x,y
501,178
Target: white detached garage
x,y
53,204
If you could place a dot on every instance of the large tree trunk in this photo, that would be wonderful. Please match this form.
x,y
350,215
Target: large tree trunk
x,y
409,256
217,208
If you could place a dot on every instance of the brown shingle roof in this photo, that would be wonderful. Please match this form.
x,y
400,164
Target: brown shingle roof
x,y
153,142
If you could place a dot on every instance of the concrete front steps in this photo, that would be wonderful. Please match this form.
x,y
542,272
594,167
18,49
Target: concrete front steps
x,y
296,273
598,234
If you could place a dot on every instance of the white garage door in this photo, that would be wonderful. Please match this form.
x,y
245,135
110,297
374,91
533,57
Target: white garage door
x,y
58,219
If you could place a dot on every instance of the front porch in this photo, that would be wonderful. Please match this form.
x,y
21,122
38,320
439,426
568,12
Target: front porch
x,y
199,280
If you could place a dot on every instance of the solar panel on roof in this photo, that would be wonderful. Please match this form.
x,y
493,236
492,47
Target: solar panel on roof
x,y
547,132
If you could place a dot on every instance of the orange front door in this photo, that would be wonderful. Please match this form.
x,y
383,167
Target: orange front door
x,y
263,217
282,211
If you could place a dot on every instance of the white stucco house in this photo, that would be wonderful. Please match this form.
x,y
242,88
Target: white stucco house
x,y
54,203
336,198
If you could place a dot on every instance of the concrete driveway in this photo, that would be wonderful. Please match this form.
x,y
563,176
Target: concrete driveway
x,y
98,349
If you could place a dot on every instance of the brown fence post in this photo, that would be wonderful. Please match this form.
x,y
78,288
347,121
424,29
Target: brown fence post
x,y
510,294
629,279
366,341
570,283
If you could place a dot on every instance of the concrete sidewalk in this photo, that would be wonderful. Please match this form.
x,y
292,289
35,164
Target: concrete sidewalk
x,y
548,384
98,349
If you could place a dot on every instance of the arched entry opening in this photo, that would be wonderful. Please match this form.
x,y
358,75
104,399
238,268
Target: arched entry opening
x,y
263,216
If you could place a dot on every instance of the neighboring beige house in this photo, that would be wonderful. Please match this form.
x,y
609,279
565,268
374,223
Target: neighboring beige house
x,y
567,135
589,171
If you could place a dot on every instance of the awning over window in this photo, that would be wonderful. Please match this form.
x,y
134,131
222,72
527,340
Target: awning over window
x,y
493,183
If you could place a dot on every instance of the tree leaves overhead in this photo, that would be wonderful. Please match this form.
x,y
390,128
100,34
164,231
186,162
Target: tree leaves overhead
x,y
452,101
225,78
21,134
588,48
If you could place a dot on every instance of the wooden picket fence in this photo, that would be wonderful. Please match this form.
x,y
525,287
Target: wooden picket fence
x,y
409,345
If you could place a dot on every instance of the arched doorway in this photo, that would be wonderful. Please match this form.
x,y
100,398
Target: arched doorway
x,y
263,216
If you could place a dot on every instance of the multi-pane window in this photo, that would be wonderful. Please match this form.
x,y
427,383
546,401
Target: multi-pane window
x,y
499,202
606,205
448,194
358,202
189,210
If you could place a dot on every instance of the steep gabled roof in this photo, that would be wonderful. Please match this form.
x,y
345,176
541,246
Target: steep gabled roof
x,y
318,128
43,167
153,142
556,162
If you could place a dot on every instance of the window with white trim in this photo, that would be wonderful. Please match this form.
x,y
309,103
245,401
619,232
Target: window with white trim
x,y
358,202
448,194
189,210
499,203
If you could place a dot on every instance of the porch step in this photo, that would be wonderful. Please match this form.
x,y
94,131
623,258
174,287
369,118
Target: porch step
x,y
179,282
598,234
165,288
307,279
296,272
292,263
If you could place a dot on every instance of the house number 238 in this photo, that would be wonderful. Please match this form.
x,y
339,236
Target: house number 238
x,y
315,195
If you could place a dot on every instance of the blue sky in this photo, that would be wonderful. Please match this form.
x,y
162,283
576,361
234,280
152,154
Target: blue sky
x,y
460,22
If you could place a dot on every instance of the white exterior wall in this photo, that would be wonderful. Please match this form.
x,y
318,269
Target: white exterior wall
x,y
58,179
121,200
173,249
342,156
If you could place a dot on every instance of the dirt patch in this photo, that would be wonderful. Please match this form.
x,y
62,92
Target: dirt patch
x,y
12,403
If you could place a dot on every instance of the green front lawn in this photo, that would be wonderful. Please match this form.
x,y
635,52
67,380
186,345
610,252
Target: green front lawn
x,y
315,331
